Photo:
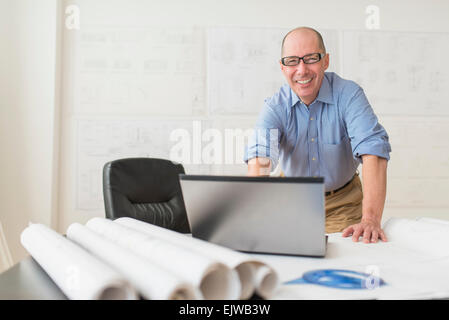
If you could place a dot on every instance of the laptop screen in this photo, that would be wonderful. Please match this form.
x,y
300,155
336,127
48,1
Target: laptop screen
x,y
257,214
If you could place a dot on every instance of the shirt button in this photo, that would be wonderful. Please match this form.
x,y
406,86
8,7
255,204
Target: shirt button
x,y
311,118
313,159
313,139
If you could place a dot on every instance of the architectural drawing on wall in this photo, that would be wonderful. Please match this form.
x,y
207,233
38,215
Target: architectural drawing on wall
x,y
417,193
416,143
418,173
118,74
401,72
158,71
102,140
243,66
234,134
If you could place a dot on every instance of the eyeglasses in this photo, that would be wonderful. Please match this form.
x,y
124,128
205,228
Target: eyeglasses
x,y
307,59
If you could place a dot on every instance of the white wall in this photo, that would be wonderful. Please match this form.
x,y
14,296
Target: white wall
x,y
108,113
27,111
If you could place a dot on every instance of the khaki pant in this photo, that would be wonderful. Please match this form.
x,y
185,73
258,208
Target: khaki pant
x,y
344,207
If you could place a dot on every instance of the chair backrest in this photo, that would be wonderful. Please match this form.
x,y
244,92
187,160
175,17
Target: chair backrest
x,y
146,189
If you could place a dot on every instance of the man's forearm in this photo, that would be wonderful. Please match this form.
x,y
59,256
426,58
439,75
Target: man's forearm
x,y
374,170
259,167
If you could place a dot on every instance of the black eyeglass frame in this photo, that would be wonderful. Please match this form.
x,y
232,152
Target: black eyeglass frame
x,y
321,55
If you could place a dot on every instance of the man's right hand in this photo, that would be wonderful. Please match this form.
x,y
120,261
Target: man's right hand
x,y
259,167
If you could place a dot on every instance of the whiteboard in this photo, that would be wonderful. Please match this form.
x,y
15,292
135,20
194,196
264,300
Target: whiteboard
x,y
418,170
130,87
419,146
102,140
136,70
235,133
402,73
243,66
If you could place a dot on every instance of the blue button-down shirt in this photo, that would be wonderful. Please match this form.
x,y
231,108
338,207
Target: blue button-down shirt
x,y
325,139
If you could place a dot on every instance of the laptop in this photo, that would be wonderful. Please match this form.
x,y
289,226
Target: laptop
x,y
257,214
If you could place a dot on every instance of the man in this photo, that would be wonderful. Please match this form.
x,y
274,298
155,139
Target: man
x,y
324,126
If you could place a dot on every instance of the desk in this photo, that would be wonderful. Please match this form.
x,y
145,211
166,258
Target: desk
x,y
408,273
28,281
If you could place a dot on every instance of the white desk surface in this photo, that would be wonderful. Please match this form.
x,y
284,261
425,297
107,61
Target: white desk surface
x,y
408,273
414,264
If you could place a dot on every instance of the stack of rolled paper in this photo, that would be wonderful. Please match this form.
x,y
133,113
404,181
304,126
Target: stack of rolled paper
x,y
127,258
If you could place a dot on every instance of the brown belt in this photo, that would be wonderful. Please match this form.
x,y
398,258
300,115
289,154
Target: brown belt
x,y
328,193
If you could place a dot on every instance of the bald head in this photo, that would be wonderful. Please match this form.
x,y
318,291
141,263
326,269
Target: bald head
x,y
305,31
304,79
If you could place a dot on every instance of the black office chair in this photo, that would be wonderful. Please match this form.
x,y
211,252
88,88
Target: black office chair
x,y
146,189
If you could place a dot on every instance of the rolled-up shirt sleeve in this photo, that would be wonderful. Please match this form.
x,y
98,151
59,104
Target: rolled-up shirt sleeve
x,y
264,140
367,135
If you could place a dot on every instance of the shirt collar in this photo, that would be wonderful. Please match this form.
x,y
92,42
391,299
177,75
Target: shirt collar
x,y
295,98
324,95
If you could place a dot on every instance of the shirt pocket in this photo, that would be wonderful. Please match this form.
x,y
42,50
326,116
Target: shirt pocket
x,y
331,130
338,161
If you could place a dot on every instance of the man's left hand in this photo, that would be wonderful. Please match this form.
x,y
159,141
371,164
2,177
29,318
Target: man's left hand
x,y
369,230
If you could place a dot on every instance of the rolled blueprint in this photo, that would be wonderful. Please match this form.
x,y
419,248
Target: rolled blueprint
x,y
429,236
214,279
266,280
76,272
151,281
245,265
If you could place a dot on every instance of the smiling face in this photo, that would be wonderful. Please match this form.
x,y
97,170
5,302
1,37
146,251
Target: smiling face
x,y
304,79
